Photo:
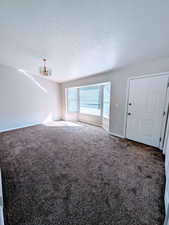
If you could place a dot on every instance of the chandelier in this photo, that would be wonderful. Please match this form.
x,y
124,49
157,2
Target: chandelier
x,y
44,70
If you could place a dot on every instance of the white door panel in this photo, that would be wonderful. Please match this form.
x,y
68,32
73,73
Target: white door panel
x,y
146,104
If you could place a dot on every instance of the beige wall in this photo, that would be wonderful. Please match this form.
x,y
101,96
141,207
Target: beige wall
x,y
26,99
118,80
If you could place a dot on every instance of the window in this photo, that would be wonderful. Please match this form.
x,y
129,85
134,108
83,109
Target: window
x,y
90,100
106,100
72,99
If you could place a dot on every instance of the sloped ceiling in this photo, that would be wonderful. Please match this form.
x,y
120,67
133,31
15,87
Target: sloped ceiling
x,y
82,37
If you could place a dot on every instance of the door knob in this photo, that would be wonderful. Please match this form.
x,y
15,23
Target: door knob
x,y
130,103
129,114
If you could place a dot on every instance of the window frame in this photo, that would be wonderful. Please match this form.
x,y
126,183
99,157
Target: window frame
x,y
101,98
103,116
67,100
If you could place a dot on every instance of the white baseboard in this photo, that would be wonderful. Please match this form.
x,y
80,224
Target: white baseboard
x,y
24,126
91,123
19,127
116,135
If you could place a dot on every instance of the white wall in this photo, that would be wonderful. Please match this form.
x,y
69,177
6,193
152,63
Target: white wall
x,y
166,151
26,99
118,80
167,175
1,202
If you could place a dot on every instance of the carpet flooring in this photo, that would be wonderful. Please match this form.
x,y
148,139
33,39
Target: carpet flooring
x,y
77,174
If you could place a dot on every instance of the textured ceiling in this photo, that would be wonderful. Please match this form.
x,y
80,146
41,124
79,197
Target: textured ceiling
x,y
82,37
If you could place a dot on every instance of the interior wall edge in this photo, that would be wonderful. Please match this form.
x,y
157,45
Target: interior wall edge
x,y
19,127
25,125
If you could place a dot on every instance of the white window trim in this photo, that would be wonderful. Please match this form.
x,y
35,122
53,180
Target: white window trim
x,y
101,93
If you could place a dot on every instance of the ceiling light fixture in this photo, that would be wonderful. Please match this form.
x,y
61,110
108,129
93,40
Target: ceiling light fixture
x,y
44,70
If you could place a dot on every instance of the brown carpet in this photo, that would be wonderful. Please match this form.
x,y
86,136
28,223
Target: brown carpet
x,y
79,175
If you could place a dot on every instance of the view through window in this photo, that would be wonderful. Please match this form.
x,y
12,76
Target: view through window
x,y
90,100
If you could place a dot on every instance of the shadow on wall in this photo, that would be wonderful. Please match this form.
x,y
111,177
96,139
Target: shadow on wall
x,y
24,99
13,72
32,79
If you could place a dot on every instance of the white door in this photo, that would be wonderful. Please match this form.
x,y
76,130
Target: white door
x,y
146,105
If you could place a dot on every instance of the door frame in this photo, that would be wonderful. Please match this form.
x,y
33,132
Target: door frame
x,y
163,128
166,134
